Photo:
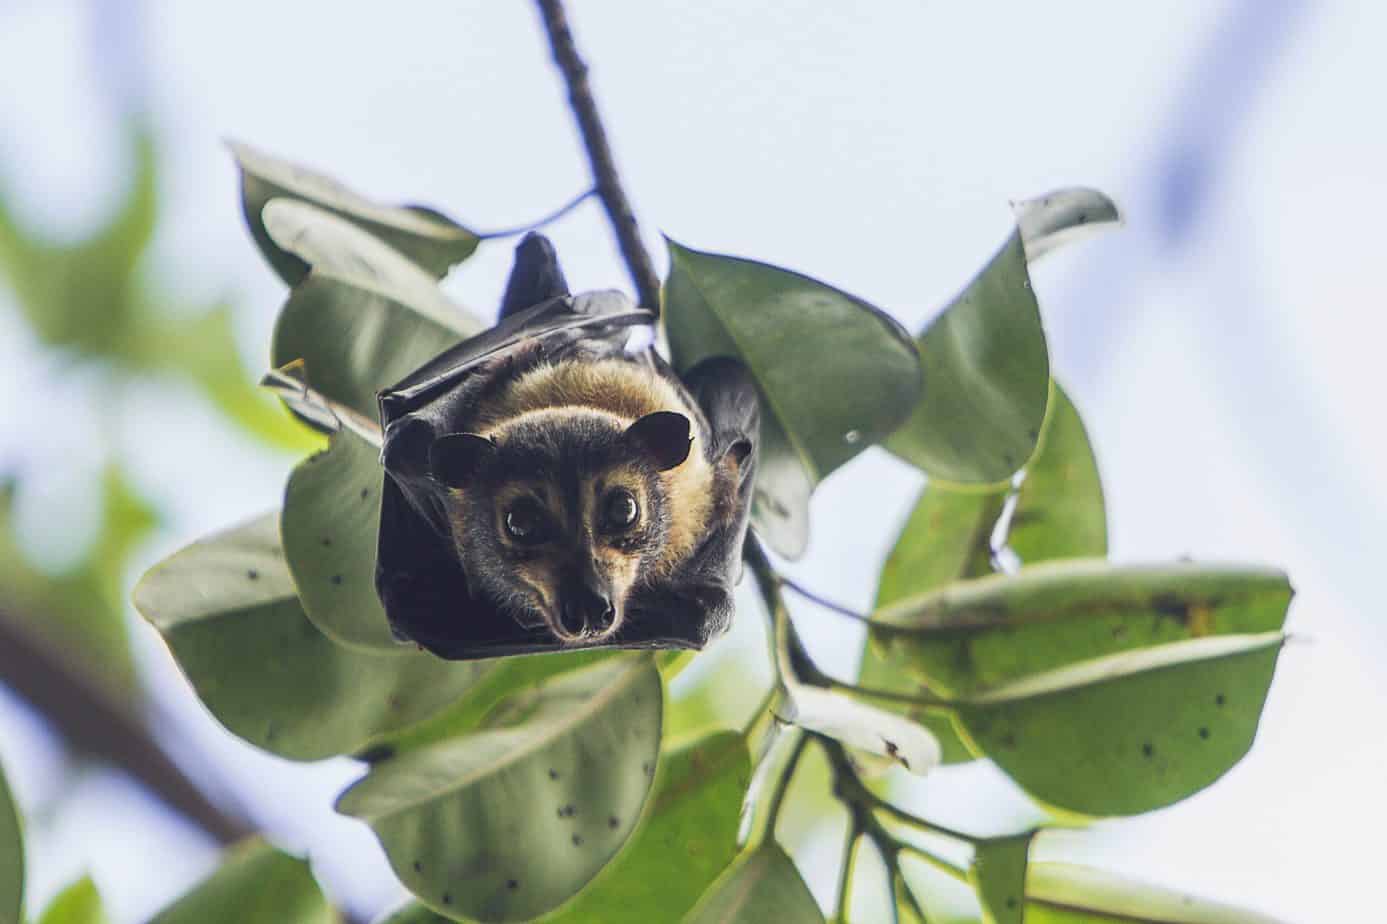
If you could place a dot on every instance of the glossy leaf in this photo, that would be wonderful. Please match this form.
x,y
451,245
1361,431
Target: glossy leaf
x,y
11,857
226,607
985,356
763,885
256,884
512,820
836,374
861,726
425,236
998,875
691,821
331,523
973,635
79,903
1059,513
1063,893
1131,732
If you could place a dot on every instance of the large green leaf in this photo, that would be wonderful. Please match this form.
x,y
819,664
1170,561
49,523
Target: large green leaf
x,y
998,875
1131,732
365,317
330,524
430,239
11,857
79,903
512,820
1063,893
763,885
972,635
1058,513
836,374
985,356
226,607
255,884
691,819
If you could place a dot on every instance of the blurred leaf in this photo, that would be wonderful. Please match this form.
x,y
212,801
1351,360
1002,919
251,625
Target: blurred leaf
x,y
974,635
985,357
836,374
85,296
511,821
763,885
11,857
331,524
1059,513
1131,732
861,726
413,913
79,903
83,607
226,607
428,238
1063,893
202,349
998,875
255,884
691,820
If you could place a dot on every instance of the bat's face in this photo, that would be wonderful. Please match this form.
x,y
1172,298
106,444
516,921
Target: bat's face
x,y
558,514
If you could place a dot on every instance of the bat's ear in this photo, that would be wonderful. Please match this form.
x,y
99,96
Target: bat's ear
x,y
663,437
455,459
535,277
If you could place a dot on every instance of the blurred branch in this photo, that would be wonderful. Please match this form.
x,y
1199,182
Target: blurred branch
x,y
93,718
604,174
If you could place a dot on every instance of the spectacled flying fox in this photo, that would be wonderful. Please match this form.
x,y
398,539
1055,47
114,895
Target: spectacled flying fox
x,y
550,488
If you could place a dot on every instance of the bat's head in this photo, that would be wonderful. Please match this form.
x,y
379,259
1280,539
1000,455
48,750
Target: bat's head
x,y
559,513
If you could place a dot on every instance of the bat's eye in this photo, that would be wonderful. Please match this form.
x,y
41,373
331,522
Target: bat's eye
x,y
525,522
620,510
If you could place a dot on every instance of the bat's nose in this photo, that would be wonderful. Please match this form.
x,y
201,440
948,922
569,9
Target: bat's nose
x,y
586,610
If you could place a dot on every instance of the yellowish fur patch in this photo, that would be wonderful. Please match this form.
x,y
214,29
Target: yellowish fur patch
x,y
626,391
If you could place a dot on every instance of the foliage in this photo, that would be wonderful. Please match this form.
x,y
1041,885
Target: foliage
x,y
551,787
500,793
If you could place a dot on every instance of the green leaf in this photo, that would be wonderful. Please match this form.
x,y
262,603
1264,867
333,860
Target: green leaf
x,y
1131,732
413,913
974,635
1059,513
512,820
11,857
998,875
363,319
255,884
691,815
226,607
763,885
985,358
865,374
425,236
79,903
331,524
1063,893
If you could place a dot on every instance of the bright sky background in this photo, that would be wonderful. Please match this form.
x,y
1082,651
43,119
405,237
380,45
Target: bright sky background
x,y
1224,348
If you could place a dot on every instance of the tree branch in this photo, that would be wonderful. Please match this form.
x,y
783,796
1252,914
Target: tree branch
x,y
604,173
94,718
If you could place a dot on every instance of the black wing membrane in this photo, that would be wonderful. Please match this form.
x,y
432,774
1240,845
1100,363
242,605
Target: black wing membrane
x,y
423,586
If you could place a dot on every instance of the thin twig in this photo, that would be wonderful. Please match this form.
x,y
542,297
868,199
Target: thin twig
x,y
604,172
552,217
831,606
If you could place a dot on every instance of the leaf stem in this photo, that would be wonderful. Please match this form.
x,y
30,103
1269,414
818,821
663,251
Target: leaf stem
x,y
782,786
552,217
604,173
846,867
894,696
